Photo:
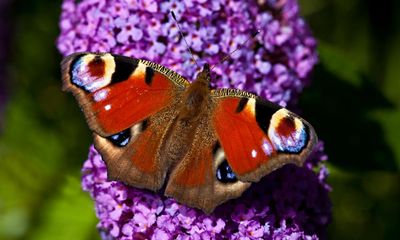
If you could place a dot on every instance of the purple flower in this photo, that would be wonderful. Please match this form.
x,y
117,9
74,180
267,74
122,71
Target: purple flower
x,y
128,29
290,203
275,65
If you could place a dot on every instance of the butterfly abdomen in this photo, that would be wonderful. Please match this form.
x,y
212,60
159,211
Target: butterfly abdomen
x,y
179,138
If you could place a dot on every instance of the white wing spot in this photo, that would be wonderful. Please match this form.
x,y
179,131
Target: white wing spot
x,y
266,146
101,95
254,153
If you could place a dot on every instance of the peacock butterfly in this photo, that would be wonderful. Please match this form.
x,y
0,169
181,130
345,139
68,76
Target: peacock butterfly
x,y
156,131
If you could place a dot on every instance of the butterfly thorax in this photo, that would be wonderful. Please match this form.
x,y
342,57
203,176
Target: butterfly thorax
x,y
196,97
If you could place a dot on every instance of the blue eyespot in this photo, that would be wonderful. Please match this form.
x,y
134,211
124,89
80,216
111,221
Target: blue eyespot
x,y
294,143
225,173
120,139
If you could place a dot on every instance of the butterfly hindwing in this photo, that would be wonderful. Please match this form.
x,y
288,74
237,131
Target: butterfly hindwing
x,y
133,156
199,179
259,136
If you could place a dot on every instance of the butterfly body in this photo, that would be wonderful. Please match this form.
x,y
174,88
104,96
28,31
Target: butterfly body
x,y
196,98
153,129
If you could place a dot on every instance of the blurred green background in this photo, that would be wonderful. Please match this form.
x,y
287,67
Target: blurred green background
x,y
353,102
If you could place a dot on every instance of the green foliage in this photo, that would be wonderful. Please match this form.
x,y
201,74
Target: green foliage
x,y
348,99
38,145
365,205
353,101
69,215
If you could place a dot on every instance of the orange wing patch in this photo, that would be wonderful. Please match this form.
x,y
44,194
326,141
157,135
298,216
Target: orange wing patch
x,y
195,174
119,106
145,151
245,144
134,155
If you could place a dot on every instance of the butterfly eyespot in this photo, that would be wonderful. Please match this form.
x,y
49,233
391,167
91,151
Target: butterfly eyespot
x,y
91,72
287,132
120,139
225,173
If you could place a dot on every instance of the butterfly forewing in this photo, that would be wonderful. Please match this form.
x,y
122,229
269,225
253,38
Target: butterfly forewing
x,y
259,136
116,92
129,104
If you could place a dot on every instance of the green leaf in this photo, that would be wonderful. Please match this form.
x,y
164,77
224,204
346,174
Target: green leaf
x,y
365,205
69,215
340,104
336,61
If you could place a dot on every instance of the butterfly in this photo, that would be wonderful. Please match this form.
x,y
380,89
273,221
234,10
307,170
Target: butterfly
x,y
156,130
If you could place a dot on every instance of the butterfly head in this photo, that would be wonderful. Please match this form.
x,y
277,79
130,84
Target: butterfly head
x,y
204,76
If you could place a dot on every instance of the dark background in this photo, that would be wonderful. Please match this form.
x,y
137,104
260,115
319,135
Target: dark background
x,y
353,102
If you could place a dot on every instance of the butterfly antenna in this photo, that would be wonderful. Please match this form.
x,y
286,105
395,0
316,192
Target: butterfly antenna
x,y
184,39
241,45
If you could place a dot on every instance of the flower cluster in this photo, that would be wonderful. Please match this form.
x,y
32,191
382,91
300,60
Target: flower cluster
x,y
290,203
274,65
